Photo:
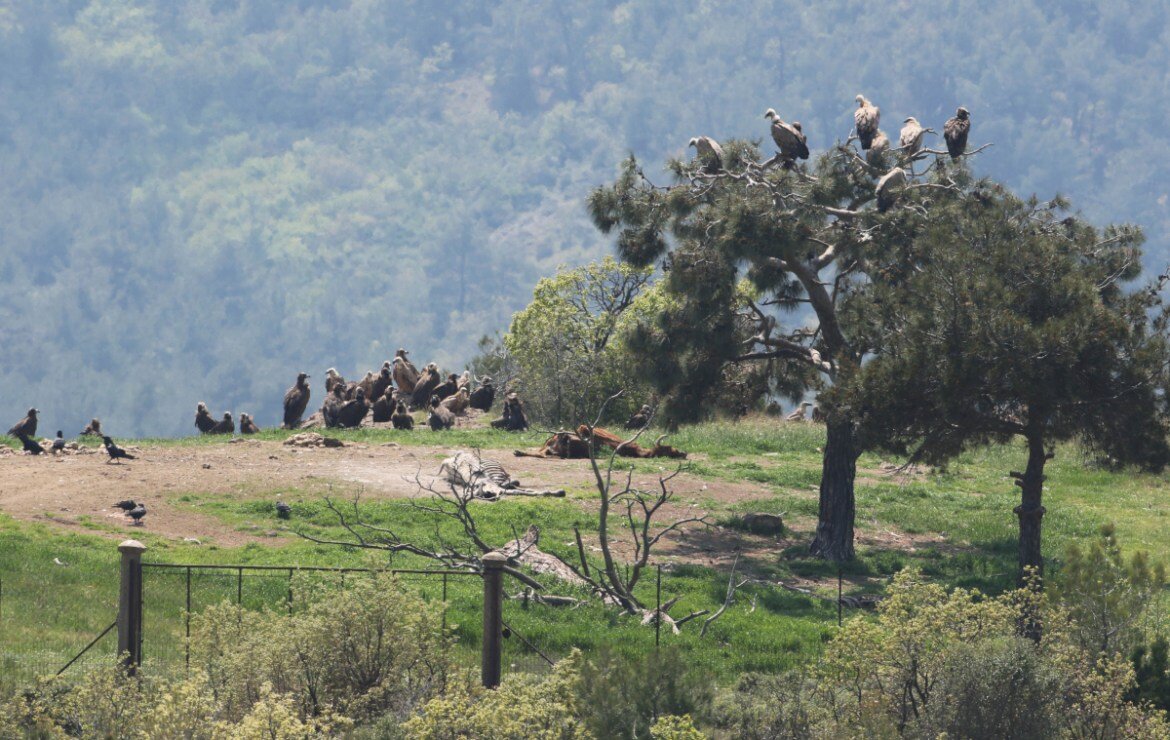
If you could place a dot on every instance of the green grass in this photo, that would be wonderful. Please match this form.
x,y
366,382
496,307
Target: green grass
x,y
962,516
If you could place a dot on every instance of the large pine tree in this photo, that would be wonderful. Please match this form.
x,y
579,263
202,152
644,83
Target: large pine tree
x,y
1013,320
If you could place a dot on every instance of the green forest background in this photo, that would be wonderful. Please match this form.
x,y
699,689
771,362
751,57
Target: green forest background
x,y
201,198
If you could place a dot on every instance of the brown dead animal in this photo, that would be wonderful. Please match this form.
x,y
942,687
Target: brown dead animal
x,y
606,438
565,445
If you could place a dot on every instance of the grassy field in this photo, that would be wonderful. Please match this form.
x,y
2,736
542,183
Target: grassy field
x,y
956,525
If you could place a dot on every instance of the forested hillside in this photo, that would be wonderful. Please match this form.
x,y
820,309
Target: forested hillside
x,y
201,198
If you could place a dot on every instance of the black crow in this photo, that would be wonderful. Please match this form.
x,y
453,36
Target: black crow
x,y
29,445
59,443
115,451
125,505
283,510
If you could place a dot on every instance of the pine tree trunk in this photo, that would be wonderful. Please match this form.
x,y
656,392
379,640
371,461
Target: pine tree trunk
x,y
1030,511
834,538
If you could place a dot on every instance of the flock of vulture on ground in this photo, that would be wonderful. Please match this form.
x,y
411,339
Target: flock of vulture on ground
x,y
793,144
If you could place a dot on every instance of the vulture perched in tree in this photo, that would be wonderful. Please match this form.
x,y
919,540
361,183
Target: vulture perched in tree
x,y
448,388
352,413
910,140
26,426
333,378
440,417
640,419
203,419
247,426
402,418
332,405
405,373
458,403
296,400
425,387
888,187
383,382
226,425
708,151
383,408
865,120
877,149
483,396
790,138
955,132
94,428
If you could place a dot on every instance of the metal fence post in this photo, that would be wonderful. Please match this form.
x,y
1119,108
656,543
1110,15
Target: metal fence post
x,y
493,617
130,604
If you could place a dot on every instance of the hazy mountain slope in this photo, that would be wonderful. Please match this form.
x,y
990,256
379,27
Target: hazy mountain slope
x,y
201,198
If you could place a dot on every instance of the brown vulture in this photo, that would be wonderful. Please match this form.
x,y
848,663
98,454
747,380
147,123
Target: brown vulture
x,y
226,426
910,140
789,137
425,387
440,417
247,426
640,419
296,400
483,396
405,373
332,378
888,187
93,429
708,151
203,419
382,382
866,119
877,149
26,426
402,418
367,384
955,132
459,402
798,414
350,415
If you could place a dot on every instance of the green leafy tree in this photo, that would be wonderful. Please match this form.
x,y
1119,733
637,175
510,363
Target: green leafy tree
x,y
1008,319
569,343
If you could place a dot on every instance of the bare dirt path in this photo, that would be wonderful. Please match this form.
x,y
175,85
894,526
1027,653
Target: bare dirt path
x,y
78,489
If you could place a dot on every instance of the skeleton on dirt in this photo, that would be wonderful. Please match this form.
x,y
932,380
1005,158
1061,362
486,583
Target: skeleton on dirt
x,y
486,478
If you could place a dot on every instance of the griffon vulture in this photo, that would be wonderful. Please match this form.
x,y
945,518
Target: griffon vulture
x,y
708,151
910,139
789,137
94,428
888,187
877,149
247,426
866,119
